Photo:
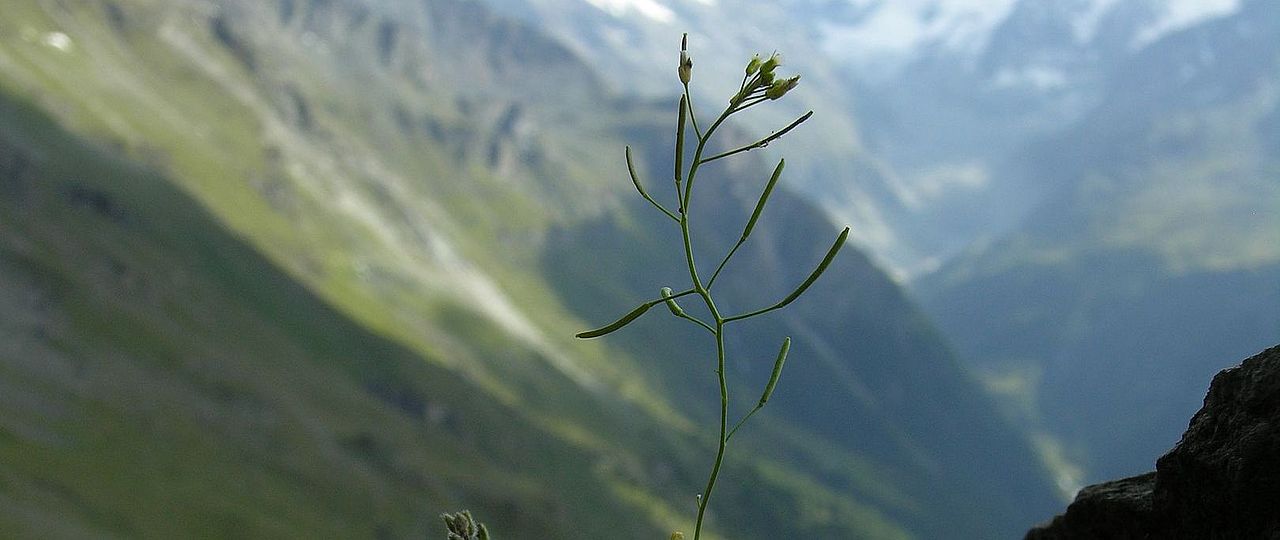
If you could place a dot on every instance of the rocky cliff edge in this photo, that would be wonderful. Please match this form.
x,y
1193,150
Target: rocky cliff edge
x,y
1221,481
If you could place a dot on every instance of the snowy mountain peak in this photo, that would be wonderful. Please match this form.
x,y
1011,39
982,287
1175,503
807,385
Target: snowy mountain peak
x,y
1179,14
881,35
650,9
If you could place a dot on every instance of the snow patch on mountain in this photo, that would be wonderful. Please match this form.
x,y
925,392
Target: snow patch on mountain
x,y
1180,14
882,35
1084,26
651,9
1041,78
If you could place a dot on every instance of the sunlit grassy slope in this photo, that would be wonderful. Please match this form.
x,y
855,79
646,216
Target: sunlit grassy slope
x,y
293,269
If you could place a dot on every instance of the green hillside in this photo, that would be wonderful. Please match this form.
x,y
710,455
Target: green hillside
x,y
313,268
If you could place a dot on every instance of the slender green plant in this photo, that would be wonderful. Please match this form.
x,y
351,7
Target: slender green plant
x,y
759,85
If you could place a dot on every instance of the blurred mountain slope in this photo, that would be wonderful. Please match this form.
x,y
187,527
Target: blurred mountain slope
x,y
324,225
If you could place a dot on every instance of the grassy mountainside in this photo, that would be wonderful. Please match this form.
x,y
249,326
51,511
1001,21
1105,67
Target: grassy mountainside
x,y
161,378
280,269
1160,250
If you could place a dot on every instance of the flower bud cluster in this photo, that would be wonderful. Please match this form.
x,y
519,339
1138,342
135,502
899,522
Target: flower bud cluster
x,y
761,81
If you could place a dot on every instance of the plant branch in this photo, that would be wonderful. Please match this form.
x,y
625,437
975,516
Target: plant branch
x,y
692,117
751,223
768,387
635,180
699,322
679,311
626,319
813,276
723,262
762,142
743,421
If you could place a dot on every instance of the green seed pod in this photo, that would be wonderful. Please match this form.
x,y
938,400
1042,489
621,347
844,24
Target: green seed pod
x,y
671,302
626,319
754,65
822,267
680,121
635,178
777,371
764,197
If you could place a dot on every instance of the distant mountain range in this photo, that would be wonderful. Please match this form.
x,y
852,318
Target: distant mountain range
x,y
1160,240
922,103
312,268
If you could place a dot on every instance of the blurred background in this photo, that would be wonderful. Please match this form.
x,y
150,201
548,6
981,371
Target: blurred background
x,y
312,268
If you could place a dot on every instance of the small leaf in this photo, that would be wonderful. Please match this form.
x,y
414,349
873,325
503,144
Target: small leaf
x,y
626,319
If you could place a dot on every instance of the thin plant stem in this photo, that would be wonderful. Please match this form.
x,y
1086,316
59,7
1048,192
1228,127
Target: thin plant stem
x,y
688,98
743,421
718,330
724,433
699,322
723,262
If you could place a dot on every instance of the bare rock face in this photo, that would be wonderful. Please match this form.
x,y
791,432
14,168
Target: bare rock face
x,y
1222,480
1119,509
1225,473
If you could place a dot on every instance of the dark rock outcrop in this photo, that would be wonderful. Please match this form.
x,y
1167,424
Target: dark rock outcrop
x,y
1221,481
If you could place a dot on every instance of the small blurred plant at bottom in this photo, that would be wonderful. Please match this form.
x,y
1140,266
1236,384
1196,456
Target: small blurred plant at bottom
x,y
464,527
